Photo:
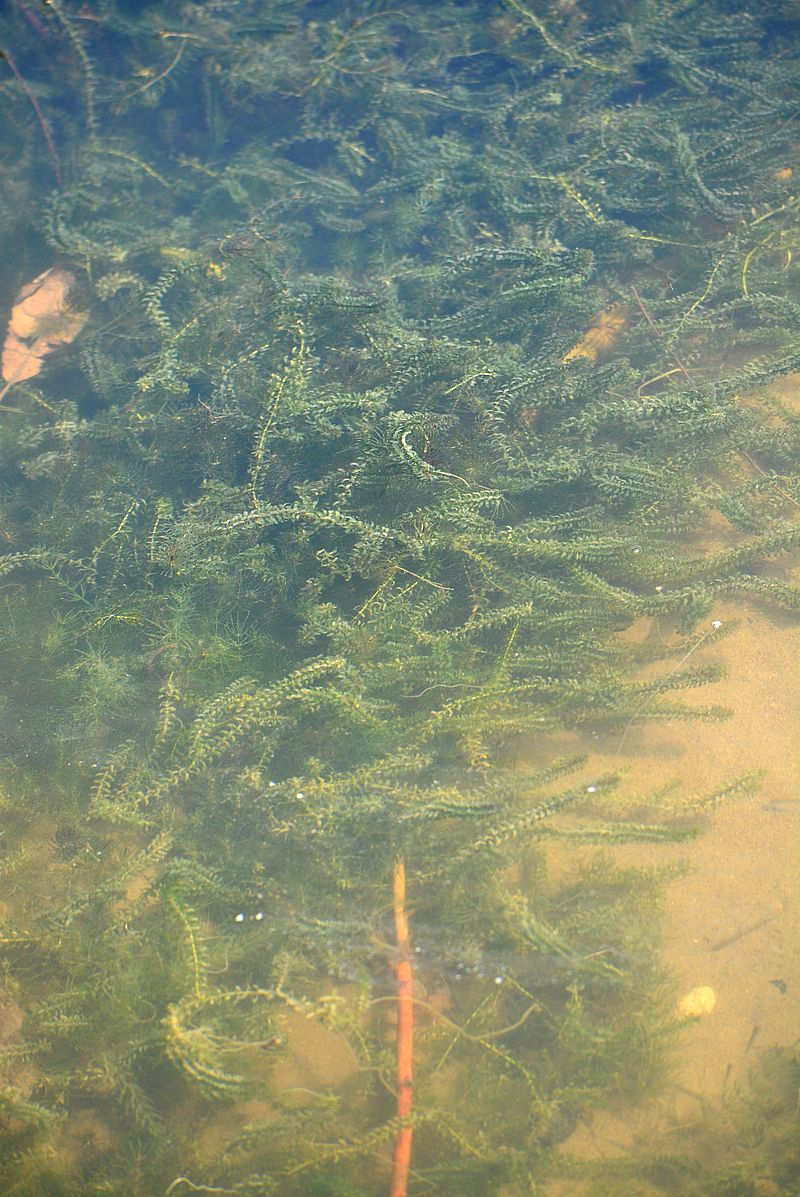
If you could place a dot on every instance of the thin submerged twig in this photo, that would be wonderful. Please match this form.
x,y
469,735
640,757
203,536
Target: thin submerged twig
x,y
39,114
401,1160
681,367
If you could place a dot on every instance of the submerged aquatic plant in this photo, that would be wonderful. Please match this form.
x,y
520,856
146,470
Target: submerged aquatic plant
x,y
403,392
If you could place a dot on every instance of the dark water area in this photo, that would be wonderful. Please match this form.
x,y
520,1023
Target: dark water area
x,y
399,490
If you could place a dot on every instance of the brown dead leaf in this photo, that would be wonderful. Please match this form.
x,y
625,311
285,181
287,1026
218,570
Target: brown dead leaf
x,y
41,320
600,336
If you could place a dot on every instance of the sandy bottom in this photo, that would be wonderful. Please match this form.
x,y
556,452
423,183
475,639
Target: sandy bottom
x,y
731,913
732,916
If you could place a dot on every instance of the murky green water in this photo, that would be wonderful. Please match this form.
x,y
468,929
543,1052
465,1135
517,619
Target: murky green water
x,y
399,414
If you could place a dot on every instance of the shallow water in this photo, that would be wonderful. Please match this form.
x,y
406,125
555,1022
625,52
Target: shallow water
x,y
730,919
397,401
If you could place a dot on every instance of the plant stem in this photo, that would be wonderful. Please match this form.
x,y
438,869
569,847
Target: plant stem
x,y
405,1035
51,149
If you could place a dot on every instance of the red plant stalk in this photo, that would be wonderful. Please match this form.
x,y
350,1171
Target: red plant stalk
x,y
405,1035
51,149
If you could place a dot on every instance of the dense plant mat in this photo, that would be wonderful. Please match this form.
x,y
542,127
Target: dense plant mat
x,y
414,354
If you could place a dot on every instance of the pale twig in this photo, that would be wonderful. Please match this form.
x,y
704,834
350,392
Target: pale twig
x,y
682,368
716,624
137,91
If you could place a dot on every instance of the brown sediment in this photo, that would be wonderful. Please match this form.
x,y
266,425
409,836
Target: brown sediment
x,y
731,918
